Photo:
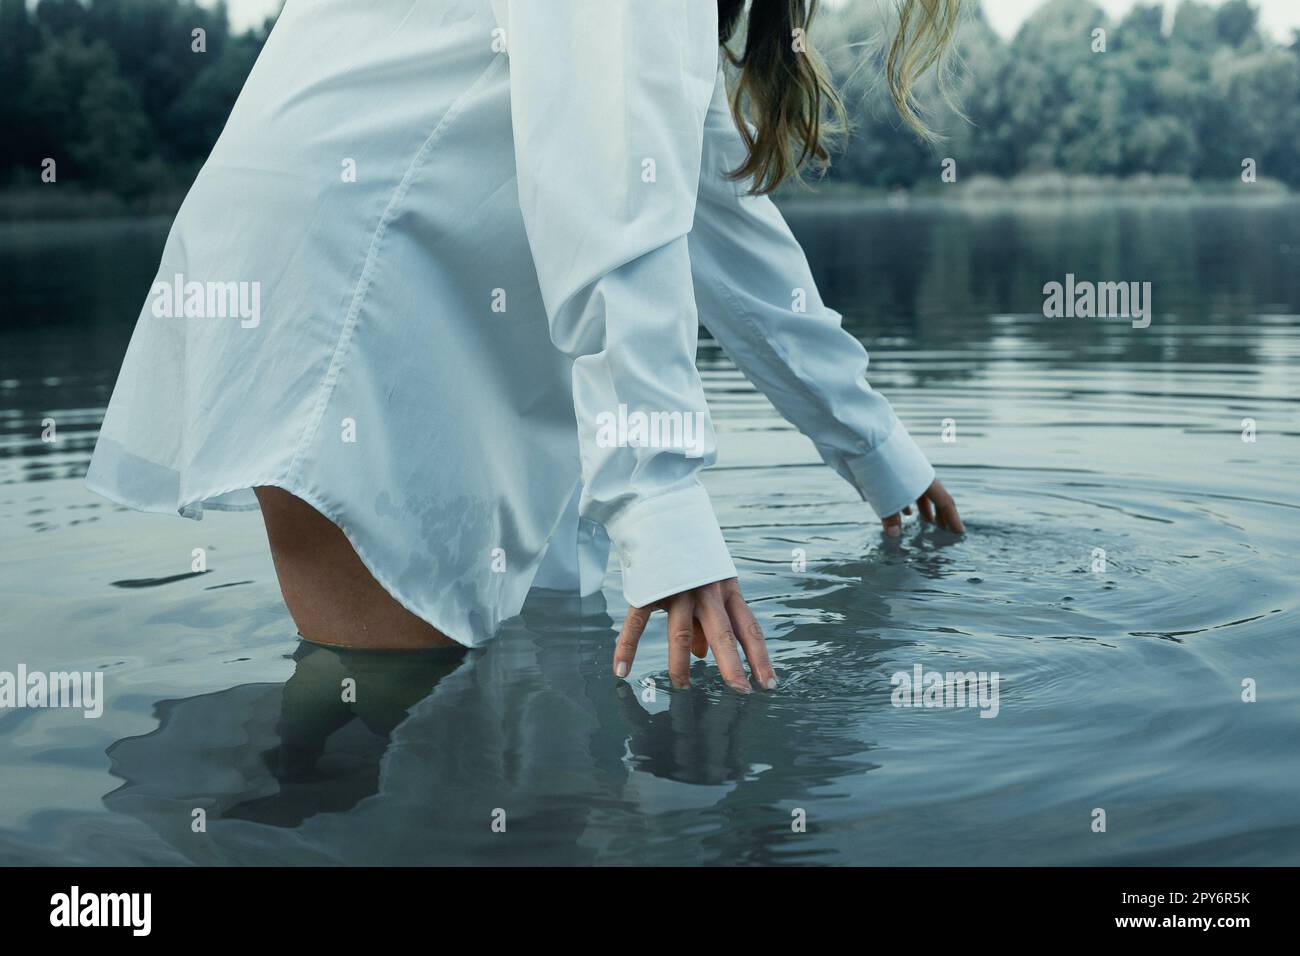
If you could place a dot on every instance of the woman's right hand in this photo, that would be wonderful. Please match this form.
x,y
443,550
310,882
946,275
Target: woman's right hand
x,y
714,616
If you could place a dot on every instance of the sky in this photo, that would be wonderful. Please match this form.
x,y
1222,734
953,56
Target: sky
x,y
1279,16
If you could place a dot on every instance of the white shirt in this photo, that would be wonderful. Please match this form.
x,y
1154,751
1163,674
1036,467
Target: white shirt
x,y
445,258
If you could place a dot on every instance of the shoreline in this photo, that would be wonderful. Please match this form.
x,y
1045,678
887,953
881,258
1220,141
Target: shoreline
x,y
51,204
71,205
1044,186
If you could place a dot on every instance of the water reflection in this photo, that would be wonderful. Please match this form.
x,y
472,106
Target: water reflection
x,y
950,265
277,753
1073,439
410,757
698,739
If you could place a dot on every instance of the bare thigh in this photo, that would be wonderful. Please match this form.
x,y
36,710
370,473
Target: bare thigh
x,y
333,598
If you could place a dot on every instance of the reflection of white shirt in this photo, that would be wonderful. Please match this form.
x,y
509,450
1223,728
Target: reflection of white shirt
x,y
469,223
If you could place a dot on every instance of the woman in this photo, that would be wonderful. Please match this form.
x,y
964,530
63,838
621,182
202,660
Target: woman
x,y
439,247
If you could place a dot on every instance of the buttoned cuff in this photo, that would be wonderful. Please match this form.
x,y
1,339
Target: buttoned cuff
x,y
668,544
892,475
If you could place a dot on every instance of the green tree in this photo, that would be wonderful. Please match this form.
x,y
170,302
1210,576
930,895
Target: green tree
x,y
198,115
19,41
88,118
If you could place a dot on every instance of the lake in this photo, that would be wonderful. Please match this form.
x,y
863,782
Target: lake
x,y
1129,574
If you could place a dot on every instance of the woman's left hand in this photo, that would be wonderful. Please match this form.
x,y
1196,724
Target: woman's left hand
x,y
935,506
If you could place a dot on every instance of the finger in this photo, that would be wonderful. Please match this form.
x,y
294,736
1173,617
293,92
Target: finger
x,y
700,643
951,519
926,507
722,641
681,632
628,638
751,639
893,525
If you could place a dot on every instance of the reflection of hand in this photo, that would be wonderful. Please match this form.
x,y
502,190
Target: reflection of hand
x,y
698,739
936,507
714,617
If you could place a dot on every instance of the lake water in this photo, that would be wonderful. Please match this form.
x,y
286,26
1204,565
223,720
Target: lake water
x,y
1130,567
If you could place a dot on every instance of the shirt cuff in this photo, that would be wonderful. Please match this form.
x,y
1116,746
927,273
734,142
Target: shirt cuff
x,y
892,475
668,544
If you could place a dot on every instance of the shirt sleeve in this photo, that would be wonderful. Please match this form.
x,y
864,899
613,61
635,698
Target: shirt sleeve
x,y
757,297
608,100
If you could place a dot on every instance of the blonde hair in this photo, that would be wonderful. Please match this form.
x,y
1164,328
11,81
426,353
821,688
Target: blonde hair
x,y
785,89
925,34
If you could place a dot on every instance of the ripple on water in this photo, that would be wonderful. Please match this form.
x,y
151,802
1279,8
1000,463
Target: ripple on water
x,y
1129,567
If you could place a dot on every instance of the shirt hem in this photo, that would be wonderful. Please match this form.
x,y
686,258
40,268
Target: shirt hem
x,y
194,505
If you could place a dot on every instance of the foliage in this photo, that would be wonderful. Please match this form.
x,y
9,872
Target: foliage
x,y
114,92
1194,97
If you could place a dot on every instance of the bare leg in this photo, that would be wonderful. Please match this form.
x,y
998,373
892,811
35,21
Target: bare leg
x,y
329,592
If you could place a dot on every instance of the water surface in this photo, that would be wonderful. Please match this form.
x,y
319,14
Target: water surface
x,y
1120,685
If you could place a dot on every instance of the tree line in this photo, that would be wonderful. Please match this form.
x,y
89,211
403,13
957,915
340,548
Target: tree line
x,y
128,96
1079,92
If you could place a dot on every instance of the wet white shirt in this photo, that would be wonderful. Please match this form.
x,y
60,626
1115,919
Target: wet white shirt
x,y
442,278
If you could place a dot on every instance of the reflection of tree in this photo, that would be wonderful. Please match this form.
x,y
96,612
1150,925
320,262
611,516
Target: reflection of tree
x,y
944,273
